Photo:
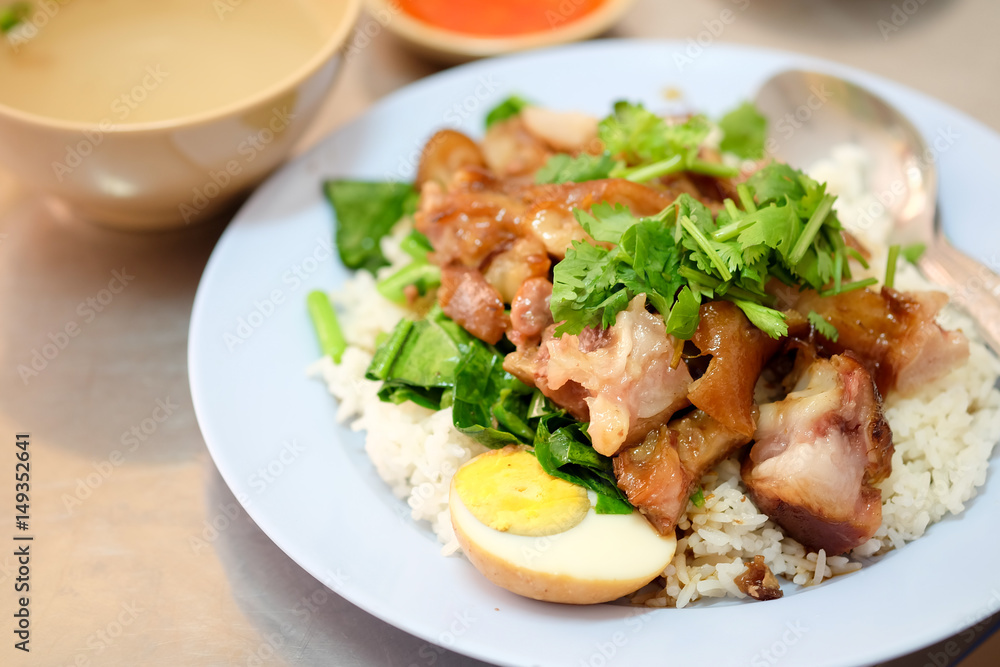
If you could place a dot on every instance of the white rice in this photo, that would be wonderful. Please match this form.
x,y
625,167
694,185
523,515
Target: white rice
x,y
943,437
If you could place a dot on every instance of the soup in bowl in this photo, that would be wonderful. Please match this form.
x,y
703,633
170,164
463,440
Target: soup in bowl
x,y
154,115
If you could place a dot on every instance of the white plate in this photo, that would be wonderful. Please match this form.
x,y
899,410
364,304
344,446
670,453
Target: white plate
x,y
321,502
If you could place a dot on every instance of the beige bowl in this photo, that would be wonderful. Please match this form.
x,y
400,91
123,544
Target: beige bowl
x,y
148,176
451,47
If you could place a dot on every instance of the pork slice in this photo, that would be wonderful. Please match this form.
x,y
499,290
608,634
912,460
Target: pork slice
x,y
893,333
652,477
818,454
530,365
926,351
524,260
739,351
467,298
632,381
530,313
660,474
511,150
549,208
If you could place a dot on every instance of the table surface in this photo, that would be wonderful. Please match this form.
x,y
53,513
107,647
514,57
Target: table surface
x,y
127,567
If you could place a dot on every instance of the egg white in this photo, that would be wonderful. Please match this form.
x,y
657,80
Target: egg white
x,y
602,558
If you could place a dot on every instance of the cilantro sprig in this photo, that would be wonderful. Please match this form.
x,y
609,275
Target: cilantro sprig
x,y
641,146
13,15
642,139
783,228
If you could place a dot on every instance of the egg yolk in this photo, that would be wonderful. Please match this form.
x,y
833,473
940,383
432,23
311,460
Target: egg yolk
x,y
508,491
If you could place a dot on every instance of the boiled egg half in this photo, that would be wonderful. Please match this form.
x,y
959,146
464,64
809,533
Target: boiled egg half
x,y
539,536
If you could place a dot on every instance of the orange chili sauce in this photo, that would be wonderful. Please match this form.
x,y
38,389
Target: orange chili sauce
x,y
498,18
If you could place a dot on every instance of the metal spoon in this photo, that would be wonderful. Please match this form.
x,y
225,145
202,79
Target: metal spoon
x,y
811,112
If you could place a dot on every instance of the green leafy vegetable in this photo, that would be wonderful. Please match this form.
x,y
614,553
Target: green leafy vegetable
x,y
420,273
507,109
563,168
324,319
13,15
435,363
490,404
419,360
416,245
563,448
365,212
744,131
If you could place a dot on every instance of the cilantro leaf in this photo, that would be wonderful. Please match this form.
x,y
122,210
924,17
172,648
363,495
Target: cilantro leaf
x,y
684,315
14,15
768,320
783,227
823,327
593,284
773,226
640,137
605,222
509,108
744,131
634,133
582,288
563,168
912,253
774,183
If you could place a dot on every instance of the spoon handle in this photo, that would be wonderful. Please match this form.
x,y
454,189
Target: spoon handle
x,y
972,285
